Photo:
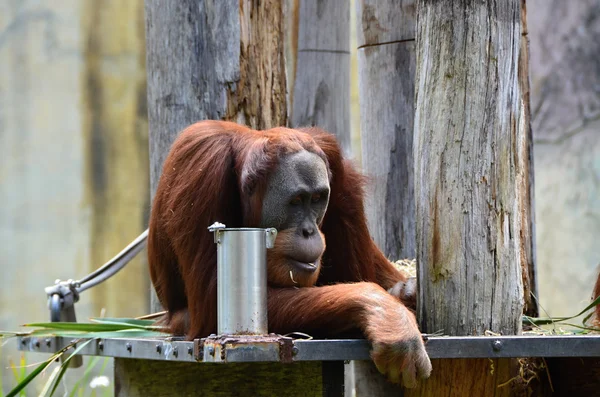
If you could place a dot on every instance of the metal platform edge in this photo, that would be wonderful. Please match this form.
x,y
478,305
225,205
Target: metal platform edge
x,y
167,349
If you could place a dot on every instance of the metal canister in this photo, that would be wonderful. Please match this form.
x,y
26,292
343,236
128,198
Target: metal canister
x,y
242,279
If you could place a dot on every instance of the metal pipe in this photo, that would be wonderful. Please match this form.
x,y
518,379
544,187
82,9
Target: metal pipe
x,y
115,264
242,279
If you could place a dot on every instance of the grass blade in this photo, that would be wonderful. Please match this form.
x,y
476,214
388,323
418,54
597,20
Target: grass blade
x,y
65,365
50,380
552,320
85,327
85,376
126,333
23,372
129,321
24,382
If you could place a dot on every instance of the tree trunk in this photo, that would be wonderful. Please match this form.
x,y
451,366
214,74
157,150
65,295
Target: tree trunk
x,y
321,71
472,167
212,59
386,66
472,181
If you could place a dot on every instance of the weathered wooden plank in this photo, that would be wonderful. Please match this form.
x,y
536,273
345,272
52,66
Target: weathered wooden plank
x,y
528,260
321,86
387,92
386,66
192,56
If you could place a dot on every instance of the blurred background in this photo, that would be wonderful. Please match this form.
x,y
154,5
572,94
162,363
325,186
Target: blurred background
x,y
74,184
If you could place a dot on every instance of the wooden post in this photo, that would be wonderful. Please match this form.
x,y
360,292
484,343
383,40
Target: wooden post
x,y
318,51
386,65
321,67
472,182
216,59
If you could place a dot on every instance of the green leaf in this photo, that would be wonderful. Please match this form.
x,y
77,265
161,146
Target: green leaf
x,y
87,327
13,368
83,379
50,380
65,365
8,334
584,328
33,374
552,320
23,373
132,321
126,333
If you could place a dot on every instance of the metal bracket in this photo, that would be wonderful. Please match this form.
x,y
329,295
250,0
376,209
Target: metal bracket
x,y
61,303
216,228
244,348
61,300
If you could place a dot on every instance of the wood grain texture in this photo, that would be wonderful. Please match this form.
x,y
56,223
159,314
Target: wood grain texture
x,y
386,61
472,183
143,378
212,60
528,258
451,378
386,86
386,21
321,86
472,167
386,69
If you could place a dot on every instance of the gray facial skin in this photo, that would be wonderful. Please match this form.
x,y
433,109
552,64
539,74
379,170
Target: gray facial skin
x,y
296,198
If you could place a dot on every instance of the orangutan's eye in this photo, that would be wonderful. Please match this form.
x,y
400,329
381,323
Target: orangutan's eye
x,y
296,200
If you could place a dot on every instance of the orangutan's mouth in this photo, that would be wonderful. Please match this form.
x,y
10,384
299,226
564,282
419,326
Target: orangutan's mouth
x,y
309,267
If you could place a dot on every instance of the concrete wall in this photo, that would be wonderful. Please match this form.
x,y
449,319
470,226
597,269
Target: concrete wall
x,y
565,103
73,155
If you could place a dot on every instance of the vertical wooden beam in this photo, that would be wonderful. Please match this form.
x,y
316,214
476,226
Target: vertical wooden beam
x,y
386,65
472,166
472,184
318,69
529,262
386,61
321,87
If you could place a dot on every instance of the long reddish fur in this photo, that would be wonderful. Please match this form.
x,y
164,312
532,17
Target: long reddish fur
x,y
217,171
